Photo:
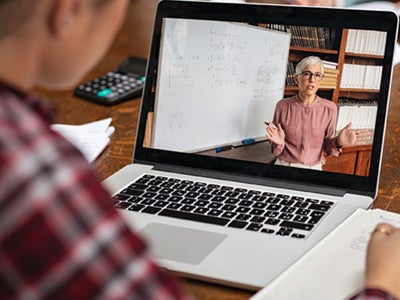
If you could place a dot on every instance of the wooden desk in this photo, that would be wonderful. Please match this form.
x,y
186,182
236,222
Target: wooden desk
x,y
134,39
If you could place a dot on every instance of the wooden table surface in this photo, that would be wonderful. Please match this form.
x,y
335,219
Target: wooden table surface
x,y
134,39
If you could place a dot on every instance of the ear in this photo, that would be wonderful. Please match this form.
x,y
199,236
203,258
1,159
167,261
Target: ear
x,y
295,78
61,16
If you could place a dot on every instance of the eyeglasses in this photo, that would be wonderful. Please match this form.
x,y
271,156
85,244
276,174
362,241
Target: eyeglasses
x,y
309,75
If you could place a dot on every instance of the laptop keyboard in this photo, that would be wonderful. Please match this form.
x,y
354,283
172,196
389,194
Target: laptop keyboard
x,y
246,209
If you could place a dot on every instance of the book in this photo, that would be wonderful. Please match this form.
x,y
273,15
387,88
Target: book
x,y
90,138
334,268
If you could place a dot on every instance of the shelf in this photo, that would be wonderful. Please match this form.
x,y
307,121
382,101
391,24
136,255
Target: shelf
x,y
314,50
295,88
359,90
364,55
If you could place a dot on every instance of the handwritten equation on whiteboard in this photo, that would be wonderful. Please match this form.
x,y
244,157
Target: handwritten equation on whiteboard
x,y
221,53
233,73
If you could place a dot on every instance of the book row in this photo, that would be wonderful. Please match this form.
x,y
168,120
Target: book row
x,y
366,42
361,76
308,36
361,113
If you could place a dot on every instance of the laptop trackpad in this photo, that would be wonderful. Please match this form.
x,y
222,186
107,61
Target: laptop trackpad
x,y
181,244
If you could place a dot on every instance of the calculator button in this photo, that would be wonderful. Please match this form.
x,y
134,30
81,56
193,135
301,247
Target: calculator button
x,y
111,95
104,93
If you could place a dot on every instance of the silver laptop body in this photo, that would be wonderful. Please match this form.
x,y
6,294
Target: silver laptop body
x,y
190,76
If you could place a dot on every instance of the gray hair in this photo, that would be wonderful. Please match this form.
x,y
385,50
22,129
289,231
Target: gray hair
x,y
307,61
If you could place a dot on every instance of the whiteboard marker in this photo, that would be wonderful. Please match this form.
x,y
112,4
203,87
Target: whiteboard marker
x,y
273,126
248,141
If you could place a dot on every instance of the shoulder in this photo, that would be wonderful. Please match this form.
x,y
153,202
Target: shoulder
x,y
32,152
327,104
286,102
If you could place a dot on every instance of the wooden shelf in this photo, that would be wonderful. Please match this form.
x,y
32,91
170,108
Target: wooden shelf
x,y
314,50
363,55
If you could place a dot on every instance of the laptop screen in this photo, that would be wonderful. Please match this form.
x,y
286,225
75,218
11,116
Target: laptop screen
x,y
217,73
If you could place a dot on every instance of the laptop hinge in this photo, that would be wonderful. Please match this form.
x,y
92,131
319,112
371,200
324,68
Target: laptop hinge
x,y
250,179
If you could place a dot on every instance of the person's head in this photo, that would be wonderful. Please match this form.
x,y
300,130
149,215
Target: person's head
x,y
309,74
66,38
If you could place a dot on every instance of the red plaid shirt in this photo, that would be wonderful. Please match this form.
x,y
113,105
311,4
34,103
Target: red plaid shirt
x,y
373,294
60,237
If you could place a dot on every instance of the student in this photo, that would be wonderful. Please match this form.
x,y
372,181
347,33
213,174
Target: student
x,y
60,237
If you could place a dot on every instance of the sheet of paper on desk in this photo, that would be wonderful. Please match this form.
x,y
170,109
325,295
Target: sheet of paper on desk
x,y
334,268
90,138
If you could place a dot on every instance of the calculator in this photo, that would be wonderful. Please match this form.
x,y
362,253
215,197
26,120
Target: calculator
x,y
124,83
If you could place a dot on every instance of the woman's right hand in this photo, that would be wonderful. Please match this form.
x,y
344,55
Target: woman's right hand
x,y
275,134
383,259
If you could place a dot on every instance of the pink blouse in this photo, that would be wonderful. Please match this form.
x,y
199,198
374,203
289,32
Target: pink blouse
x,y
309,130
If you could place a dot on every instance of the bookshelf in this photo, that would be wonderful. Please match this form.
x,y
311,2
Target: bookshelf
x,y
352,65
361,57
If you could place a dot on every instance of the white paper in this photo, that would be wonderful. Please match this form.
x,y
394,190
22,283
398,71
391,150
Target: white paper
x,y
334,268
90,138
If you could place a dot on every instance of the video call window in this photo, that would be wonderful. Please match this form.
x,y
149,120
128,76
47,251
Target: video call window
x,y
218,84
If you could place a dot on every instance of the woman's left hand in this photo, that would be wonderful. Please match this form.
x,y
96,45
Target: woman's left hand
x,y
351,137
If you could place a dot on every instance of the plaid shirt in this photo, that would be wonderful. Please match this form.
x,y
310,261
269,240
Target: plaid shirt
x,y
373,294
60,237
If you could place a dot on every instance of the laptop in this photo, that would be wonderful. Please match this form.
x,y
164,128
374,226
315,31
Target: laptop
x,y
203,189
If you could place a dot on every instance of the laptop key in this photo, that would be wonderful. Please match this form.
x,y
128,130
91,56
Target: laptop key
x,y
123,205
238,224
201,210
243,217
314,220
215,212
319,207
136,207
267,230
137,186
301,219
271,221
193,217
229,214
149,195
151,210
254,227
121,197
174,205
134,199
298,235
133,192
296,225
166,190
256,219
188,208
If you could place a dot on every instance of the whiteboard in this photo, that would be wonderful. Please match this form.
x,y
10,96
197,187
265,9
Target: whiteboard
x,y
217,83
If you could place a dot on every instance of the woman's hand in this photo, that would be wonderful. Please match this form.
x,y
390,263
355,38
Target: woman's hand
x,y
348,137
275,134
383,259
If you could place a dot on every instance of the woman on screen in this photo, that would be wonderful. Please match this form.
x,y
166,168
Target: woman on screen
x,y
303,128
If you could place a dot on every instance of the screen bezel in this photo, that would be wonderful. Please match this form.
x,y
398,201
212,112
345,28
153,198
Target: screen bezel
x,y
280,14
